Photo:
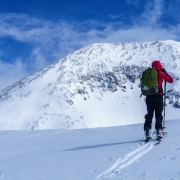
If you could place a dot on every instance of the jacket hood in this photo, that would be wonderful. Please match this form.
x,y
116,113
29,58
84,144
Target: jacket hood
x,y
157,64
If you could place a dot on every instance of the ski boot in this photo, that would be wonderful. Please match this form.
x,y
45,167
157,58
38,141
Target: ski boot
x,y
147,133
159,134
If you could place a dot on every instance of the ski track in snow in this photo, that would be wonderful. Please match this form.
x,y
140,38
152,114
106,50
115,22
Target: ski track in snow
x,y
122,163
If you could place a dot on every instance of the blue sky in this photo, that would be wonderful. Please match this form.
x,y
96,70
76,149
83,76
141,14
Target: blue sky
x,y
36,33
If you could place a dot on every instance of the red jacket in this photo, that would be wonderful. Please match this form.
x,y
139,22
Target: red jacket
x,y
161,75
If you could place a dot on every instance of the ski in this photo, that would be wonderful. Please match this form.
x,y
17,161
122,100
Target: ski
x,y
153,137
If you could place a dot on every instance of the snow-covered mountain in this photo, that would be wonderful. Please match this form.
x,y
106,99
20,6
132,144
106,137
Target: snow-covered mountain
x,y
93,87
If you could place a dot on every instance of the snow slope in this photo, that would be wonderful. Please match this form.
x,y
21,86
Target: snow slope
x,y
111,153
96,86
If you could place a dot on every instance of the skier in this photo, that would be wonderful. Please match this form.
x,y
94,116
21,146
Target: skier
x,y
155,102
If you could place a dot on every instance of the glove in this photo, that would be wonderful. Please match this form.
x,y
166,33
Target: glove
x,y
164,71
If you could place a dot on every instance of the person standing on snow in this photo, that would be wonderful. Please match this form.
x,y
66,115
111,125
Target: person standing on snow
x,y
155,102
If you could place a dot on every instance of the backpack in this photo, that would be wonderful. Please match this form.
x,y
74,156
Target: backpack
x,y
149,82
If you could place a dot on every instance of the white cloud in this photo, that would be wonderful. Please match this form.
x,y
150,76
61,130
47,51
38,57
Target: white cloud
x,y
152,14
52,40
10,73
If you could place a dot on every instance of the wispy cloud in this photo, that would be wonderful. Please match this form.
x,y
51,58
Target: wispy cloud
x,y
153,12
10,73
133,2
51,40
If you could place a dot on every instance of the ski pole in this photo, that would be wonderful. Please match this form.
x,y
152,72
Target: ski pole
x,y
164,104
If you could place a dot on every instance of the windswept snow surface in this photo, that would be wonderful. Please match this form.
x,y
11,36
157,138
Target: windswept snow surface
x,y
111,153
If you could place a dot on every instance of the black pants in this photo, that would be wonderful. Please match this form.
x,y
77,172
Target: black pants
x,y
154,103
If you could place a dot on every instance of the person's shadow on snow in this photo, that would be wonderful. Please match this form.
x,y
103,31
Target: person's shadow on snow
x,y
99,145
